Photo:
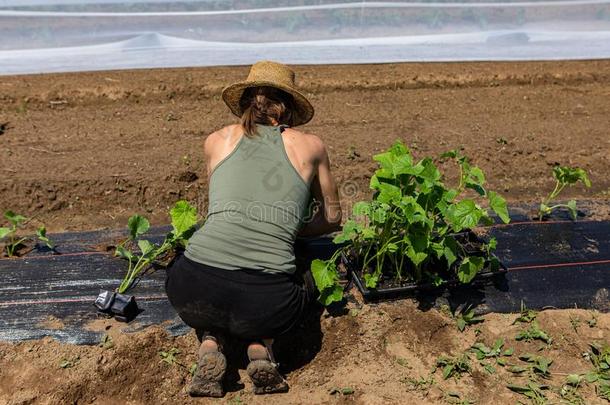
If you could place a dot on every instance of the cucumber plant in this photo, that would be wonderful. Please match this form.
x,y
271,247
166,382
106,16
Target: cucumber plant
x,y
12,241
564,176
183,217
406,229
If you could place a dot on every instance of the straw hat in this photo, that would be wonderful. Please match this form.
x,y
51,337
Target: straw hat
x,y
272,74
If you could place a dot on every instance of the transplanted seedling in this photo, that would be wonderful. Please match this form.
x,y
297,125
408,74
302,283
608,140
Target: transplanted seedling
x,y
454,366
184,219
564,176
495,354
12,241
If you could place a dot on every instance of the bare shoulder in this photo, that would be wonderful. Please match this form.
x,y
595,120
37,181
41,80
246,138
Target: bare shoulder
x,y
223,137
308,141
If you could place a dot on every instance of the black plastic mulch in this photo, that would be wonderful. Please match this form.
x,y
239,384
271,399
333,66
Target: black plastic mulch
x,y
560,264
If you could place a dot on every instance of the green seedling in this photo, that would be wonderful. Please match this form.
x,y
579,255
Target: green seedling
x,y
526,315
532,390
170,356
593,321
564,176
599,356
342,391
467,317
193,369
106,342
569,390
421,384
69,363
13,242
495,354
535,366
454,366
534,332
184,219
575,323
456,399
405,231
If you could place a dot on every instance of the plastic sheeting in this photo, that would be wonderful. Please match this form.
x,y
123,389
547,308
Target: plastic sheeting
x,y
39,36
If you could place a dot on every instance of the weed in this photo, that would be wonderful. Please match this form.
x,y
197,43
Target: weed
x,y
342,391
420,384
526,315
532,390
564,176
13,242
406,230
534,332
184,219
170,356
69,363
106,342
495,354
467,317
575,322
454,366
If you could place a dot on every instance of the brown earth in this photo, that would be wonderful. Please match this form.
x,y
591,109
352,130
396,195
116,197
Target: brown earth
x,y
375,354
83,151
87,150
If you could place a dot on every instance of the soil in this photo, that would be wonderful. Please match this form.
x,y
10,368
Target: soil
x,y
87,150
381,353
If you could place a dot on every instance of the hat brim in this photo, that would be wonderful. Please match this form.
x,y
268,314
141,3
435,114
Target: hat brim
x,y
231,95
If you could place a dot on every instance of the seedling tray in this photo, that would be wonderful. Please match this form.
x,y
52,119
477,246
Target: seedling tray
x,y
411,289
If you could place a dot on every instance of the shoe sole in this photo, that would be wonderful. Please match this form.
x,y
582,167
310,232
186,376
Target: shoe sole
x,y
266,378
207,381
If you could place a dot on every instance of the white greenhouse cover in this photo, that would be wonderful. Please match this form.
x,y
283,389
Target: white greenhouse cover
x,y
38,36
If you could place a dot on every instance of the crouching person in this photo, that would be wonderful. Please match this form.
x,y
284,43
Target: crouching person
x,y
237,276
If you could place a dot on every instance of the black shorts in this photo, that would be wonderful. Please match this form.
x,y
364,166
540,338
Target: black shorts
x,y
246,304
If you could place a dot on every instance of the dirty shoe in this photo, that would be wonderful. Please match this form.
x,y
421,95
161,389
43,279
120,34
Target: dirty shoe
x,y
266,378
207,381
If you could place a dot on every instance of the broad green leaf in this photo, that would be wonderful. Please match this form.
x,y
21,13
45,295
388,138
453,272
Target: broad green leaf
x,y
361,209
184,218
464,215
461,324
371,280
572,208
327,281
451,154
430,172
447,371
469,268
451,250
124,253
137,225
349,232
389,193
13,218
571,175
498,205
145,246
4,232
417,246
41,233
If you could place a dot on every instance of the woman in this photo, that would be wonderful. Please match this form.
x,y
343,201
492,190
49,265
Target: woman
x,y
237,276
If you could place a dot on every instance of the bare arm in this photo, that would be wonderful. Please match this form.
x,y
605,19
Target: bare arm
x,y
323,188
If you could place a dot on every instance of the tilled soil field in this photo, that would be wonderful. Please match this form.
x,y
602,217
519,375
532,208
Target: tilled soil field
x,y
85,151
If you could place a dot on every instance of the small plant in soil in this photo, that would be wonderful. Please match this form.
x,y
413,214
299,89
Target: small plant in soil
x,y
599,356
533,332
467,317
454,366
564,176
184,219
532,390
12,241
526,315
407,233
488,355
535,366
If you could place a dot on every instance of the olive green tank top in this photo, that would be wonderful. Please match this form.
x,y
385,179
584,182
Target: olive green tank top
x,y
257,202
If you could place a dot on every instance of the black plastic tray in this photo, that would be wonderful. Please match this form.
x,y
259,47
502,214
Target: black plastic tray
x,y
411,289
